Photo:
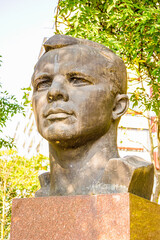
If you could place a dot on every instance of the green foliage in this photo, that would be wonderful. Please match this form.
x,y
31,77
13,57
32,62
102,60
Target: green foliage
x,y
130,28
9,106
26,95
18,178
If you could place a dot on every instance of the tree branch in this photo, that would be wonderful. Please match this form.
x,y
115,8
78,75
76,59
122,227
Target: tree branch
x,y
140,113
56,17
65,18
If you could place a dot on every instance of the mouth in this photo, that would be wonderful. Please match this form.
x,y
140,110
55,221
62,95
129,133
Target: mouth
x,y
58,114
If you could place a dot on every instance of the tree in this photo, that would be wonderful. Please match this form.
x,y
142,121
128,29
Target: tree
x,y
18,178
8,108
131,29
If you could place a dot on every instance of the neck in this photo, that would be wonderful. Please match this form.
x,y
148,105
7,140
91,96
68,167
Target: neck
x,y
76,167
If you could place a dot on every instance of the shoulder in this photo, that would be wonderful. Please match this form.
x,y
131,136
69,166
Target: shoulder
x,y
133,172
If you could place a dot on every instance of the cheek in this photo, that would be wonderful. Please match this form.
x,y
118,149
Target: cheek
x,y
96,103
38,102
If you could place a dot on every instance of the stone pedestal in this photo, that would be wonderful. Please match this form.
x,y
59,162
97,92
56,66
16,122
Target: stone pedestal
x,y
97,217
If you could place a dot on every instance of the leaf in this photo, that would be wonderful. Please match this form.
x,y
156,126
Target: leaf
x,y
109,8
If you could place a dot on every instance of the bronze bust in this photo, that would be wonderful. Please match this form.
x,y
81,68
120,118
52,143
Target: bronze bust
x,y
79,95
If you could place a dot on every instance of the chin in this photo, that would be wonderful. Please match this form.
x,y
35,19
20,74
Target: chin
x,y
70,135
55,134
63,139
71,140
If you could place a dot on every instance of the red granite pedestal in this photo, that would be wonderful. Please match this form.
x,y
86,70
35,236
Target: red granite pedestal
x,y
97,217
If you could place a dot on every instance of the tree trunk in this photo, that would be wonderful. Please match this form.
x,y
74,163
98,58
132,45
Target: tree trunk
x,y
157,172
158,137
157,190
151,137
3,209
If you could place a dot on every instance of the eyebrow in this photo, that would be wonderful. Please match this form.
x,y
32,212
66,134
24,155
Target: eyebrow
x,y
81,74
39,76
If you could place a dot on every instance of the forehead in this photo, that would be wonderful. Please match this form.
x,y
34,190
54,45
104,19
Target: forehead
x,y
77,58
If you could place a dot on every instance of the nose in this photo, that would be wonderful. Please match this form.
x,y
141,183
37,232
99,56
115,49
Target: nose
x,y
58,90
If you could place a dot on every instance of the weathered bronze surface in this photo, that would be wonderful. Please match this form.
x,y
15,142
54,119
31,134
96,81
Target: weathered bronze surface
x,y
78,98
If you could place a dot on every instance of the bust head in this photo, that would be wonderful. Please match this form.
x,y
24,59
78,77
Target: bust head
x,y
78,98
79,91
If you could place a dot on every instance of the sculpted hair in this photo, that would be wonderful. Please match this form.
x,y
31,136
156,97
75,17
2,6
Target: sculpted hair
x,y
115,68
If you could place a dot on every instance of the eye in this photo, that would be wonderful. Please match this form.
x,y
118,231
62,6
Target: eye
x,y
43,84
78,81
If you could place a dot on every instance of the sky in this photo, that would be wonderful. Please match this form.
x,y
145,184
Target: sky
x,y
23,26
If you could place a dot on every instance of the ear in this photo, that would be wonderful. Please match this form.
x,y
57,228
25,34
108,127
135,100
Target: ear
x,y
120,106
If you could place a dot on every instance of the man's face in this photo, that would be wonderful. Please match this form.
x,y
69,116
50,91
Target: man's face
x,y
72,101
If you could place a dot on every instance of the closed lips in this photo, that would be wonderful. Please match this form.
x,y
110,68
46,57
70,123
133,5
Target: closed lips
x,y
57,113
57,116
